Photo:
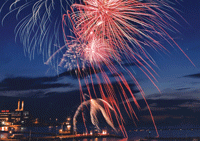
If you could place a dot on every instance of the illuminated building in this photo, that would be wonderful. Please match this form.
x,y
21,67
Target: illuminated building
x,y
18,107
36,121
19,116
5,117
4,128
66,127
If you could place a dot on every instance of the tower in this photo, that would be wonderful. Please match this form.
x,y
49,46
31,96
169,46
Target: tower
x,y
18,107
22,106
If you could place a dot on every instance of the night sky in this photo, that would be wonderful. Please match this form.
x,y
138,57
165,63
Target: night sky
x,y
48,93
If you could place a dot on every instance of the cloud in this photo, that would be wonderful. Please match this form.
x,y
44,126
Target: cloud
x,y
33,87
180,89
188,93
193,105
59,83
24,93
26,83
168,95
171,112
197,75
83,72
154,107
116,89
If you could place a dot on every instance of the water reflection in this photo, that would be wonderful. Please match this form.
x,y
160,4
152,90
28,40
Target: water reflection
x,y
133,134
4,135
100,139
12,128
4,128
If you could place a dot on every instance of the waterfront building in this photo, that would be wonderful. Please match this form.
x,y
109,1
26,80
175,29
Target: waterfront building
x,y
5,117
66,127
19,116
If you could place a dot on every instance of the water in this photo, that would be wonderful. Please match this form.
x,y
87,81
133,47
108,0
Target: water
x,y
133,134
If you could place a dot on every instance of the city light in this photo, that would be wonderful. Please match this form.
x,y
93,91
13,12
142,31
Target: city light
x,y
104,132
68,127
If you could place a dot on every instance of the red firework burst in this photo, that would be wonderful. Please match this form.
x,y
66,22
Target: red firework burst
x,y
108,30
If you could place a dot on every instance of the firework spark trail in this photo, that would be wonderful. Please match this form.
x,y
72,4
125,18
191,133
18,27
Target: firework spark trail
x,y
113,100
122,23
95,107
105,32
39,27
110,93
111,30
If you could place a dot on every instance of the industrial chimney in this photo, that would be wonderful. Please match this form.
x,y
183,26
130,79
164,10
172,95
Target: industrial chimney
x,y
18,107
22,107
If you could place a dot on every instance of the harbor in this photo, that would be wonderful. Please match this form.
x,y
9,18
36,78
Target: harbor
x,y
18,126
64,137
15,125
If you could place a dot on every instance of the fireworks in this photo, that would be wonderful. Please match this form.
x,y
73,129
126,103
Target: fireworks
x,y
95,106
126,26
39,28
111,30
105,34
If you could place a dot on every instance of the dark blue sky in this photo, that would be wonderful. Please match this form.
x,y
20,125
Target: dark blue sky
x,y
178,78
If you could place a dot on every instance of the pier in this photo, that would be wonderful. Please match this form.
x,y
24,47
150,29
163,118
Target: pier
x,y
80,136
66,137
